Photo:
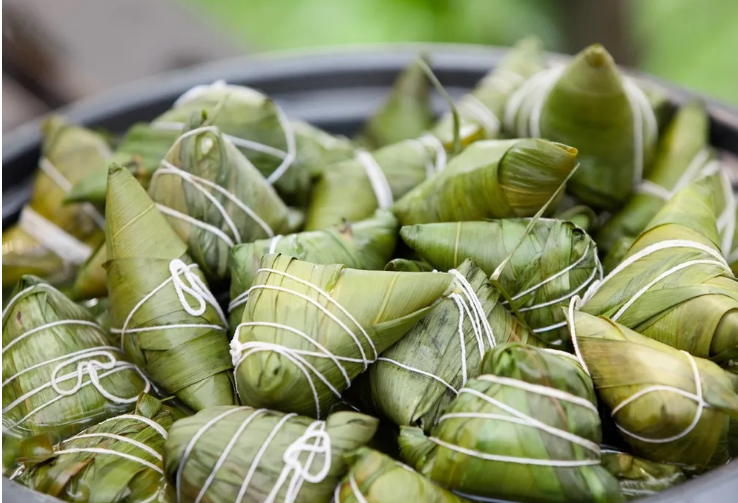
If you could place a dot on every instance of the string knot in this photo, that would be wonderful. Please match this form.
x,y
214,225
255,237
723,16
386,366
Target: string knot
x,y
187,282
321,446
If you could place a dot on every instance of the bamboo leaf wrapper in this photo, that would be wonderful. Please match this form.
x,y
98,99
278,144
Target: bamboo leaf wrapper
x,y
168,321
527,429
639,477
227,454
60,372
306,334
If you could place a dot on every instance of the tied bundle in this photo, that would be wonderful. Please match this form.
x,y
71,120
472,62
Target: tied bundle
x,y
406,112
376,478
364,245
414,380
51,239
285,152
588,104
673,285
160,306
640,477
354,189
670,406
306,335
490,179
60,372
214,198
527,429
235,454
547,265
120,459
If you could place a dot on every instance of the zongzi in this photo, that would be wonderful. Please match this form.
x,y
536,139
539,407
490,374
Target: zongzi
x,y
639,477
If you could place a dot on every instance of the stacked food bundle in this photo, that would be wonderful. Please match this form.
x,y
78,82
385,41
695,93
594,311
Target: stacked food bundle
x,y
234,306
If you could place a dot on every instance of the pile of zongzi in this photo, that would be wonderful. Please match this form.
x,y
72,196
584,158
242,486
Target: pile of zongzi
x,y
532,299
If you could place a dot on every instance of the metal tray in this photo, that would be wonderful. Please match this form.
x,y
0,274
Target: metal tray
x,y
335,90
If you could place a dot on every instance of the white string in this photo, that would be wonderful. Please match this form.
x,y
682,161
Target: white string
x,y
570,294
380,185
197,223
576,303
697,164
701,405
354,490
419,371
726,220
194,287
61,181
47,326
273,243
430,140
136,417
53,238
541,390
20,294
477,309
96,450
478,112
289,136
119,438
662,245
241,298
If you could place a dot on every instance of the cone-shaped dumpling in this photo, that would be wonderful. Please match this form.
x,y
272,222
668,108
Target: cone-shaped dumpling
x,y
670,407
229,454
527,429
406,112
555,261
682,155
60,372
52,238
414,380
308,330
120,456
674,285
169,322
214,198
364,245
377,478
588,104
490,179
91,278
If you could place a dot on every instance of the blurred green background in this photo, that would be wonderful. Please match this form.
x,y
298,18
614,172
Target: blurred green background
x,y
691,42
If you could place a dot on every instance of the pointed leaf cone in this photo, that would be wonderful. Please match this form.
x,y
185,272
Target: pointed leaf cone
x,y
481,111
214,198
673,285
353,189
405,114
607,117
364,245
529,420
130,446
227,454
92,277
52,238
490,179
306,334
652,390
414,380
141,150
556,261
639,477
60,373
682,155
377,478
582,216
405,265
147,263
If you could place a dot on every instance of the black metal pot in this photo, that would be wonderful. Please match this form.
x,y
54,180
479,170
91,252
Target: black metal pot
x,y
334,90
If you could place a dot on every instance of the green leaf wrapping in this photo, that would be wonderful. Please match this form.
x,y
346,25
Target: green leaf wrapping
x,y
118,460
363,245
507,431
582,216
481,111
406,112
191,358
680,158
617,253
37,356
433,346
607,117
733,254
91,278
214,198
68,153
673,285
653,391
490,179
346,189
223,452
555,261
639,477
402,264
308,330
376,478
